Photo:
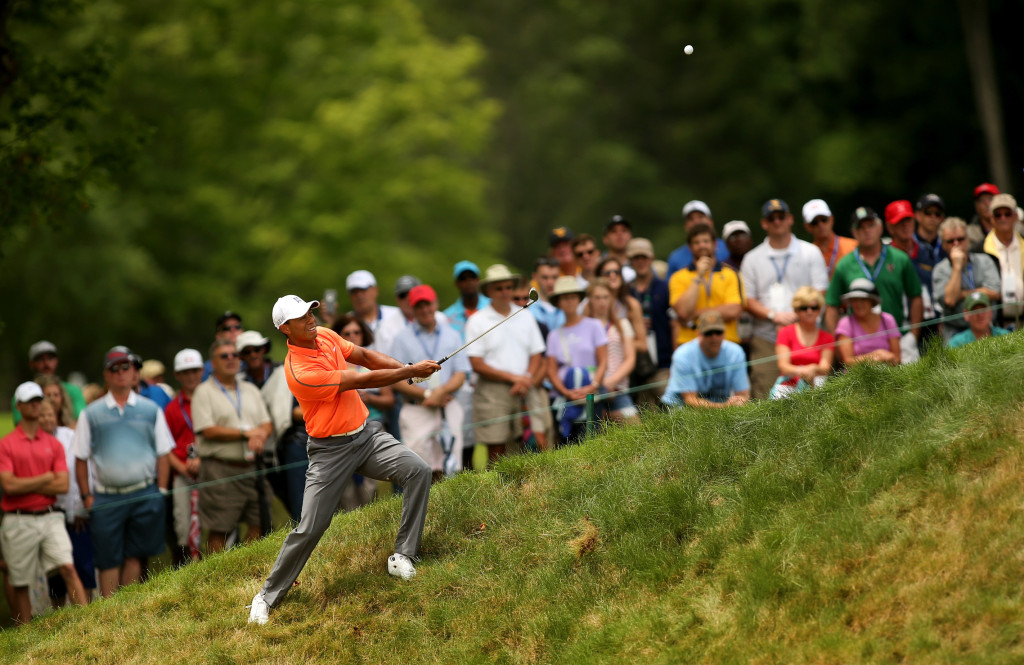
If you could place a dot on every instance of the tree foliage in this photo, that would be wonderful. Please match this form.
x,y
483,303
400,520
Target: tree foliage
x,y
288,144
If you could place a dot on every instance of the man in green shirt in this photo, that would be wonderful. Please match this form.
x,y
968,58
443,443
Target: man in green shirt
x,y
890,269
42,359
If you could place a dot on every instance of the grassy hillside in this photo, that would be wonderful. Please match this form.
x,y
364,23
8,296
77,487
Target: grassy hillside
x,y
876,520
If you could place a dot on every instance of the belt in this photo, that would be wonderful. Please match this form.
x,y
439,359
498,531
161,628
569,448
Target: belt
x,y
352,433
127,489
45,511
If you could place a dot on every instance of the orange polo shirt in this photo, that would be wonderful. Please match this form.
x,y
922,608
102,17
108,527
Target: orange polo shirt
x,y
326,411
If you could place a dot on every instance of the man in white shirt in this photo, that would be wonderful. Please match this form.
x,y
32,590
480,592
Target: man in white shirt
x,y
508,362
384,320
1007,246
772,272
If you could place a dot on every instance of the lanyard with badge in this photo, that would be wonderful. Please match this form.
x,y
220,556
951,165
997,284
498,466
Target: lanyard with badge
x,y
434,380
835,253
777,291
877,309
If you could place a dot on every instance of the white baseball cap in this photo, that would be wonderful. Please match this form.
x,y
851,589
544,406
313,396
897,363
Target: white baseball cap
x,y
816,208
41,347
696,206
292,307
734,226
27,392
251,338
360,279
187,359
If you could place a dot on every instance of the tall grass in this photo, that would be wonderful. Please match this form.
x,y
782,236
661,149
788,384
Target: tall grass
x,y
876,519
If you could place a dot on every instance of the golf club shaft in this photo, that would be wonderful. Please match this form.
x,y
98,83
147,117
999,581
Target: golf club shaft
x,y
461,348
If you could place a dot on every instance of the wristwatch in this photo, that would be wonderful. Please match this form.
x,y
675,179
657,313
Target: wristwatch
x,y
427,393
771,315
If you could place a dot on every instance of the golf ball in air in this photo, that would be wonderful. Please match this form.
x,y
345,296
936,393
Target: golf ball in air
x,y
688,49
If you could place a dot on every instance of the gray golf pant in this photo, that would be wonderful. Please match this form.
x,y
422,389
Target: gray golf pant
x,y
332,461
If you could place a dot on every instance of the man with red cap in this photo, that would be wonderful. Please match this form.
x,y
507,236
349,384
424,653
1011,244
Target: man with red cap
x,y
431,418
901,219
981,223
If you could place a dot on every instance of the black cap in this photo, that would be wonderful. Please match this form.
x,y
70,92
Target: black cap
x,y
774,205
617,219
227,315
559,234
931,200
860,214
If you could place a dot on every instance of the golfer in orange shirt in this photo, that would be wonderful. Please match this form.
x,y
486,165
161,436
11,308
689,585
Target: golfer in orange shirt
x,y
341,443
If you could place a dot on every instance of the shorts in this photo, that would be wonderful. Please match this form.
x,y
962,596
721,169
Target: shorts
x,y
497,413
81,550
223,505
622,405
27,539
539,406
127,526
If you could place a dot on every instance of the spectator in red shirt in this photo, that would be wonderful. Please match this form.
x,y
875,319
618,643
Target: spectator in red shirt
x,y
33,471
184,533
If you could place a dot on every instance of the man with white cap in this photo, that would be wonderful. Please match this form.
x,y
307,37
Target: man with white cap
x,y
33,470
126,437
818,221
737,238
362,291
694,212
43,360
342,442
184,460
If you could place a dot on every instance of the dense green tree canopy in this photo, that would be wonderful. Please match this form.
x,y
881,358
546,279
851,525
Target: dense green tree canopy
x,y
285,144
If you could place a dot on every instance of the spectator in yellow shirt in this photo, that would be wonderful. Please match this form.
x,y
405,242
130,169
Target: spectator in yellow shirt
x,y
706,284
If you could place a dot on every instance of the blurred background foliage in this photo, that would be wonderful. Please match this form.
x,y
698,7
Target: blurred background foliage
x,y
163,162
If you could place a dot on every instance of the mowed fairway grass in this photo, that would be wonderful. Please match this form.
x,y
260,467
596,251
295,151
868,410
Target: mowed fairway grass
x,y
876,520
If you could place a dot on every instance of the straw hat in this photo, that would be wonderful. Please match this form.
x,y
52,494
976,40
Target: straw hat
x,y
498,273
565,285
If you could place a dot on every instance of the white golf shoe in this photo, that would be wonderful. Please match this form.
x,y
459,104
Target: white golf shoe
x,y
400,565
260,612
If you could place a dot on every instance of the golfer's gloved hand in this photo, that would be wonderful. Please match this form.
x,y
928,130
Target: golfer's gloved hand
x,y
419,379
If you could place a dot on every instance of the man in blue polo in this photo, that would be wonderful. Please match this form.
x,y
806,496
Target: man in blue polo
x,y
126,437
708,372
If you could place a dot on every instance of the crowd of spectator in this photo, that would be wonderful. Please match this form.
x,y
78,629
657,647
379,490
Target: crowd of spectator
x,y
97,481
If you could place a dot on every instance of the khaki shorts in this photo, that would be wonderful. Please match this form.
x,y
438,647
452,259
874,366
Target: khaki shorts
x,y
491,401
223,505
28,539
539,406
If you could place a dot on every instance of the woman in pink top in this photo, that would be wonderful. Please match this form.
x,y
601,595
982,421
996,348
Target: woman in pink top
x,y
804,350
867,335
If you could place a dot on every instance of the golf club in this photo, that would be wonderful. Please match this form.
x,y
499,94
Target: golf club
x,y
534,296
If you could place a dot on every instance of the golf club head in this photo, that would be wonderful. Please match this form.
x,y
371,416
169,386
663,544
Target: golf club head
x,y
534,296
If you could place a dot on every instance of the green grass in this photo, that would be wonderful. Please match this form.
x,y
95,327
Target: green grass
x,y
875,520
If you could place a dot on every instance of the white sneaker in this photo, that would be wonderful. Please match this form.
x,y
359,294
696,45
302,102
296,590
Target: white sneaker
x,y
260,612
400,565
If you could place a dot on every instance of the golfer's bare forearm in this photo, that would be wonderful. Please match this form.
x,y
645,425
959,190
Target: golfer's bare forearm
x,y
371,359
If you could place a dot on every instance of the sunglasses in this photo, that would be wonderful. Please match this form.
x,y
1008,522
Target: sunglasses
x,y
713,333
609,273
808,308
233,326
956,241
227,356
402,296
817,220
585,252
1003,215
777,217
118,368
249,350
933,213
